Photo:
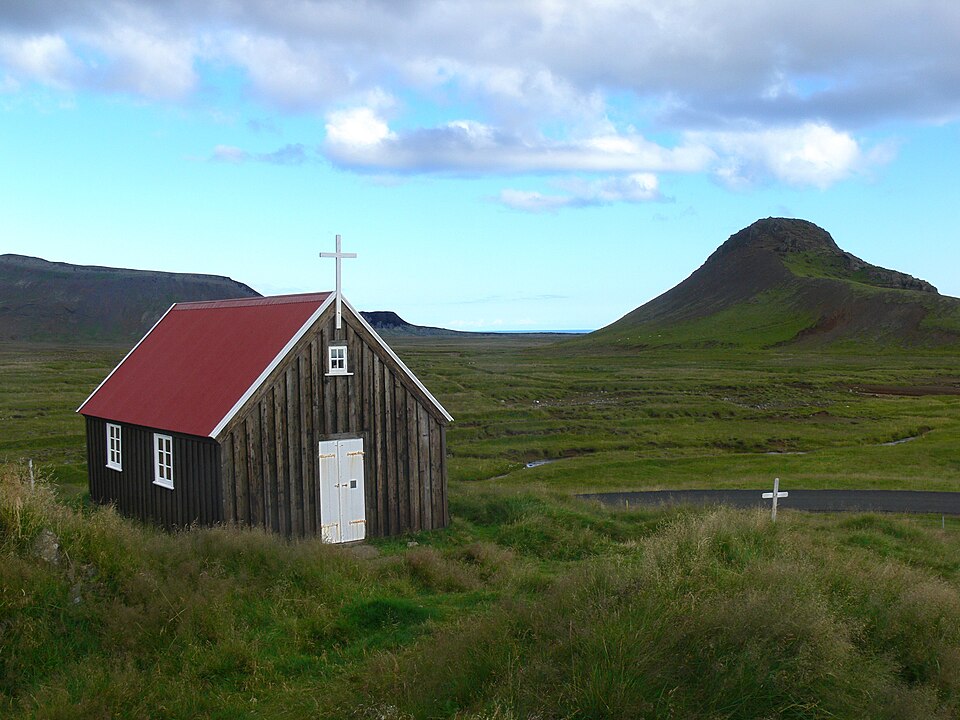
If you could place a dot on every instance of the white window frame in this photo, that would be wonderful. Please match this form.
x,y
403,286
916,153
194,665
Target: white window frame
x,y
337,360
114,447
163,460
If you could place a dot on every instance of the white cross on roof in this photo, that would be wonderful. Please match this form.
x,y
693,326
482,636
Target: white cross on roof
x,y
338,255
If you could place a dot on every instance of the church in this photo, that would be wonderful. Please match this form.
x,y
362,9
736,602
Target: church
x,y
287,413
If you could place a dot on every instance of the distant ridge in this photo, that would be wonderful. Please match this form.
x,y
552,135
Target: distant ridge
x,y
387,322
782,282
56,302
42,301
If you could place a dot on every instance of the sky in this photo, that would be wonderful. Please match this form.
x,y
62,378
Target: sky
x,y
503,165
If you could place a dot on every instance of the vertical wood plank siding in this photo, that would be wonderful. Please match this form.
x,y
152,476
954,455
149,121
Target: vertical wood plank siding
x,y
196,497
270,461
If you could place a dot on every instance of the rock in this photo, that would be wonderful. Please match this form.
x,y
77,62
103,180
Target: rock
x,y
47,547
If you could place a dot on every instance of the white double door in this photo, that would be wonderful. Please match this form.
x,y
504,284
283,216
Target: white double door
x,y
343,516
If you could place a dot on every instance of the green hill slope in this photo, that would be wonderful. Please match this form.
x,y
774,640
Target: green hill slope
x,y
786,282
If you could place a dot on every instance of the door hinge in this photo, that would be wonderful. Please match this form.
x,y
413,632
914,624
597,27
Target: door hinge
x,y
355,452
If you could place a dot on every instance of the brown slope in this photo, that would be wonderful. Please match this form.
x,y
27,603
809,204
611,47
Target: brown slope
x,y
786,281
54,302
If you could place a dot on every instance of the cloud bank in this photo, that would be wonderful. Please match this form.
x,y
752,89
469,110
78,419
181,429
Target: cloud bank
x,y
750,92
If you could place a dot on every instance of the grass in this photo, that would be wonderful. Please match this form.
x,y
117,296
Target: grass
x,y
711,418
40,388
532,603
527,607
763,321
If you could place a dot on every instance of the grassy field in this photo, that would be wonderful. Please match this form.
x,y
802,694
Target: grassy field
x,y
613,421
532,604
40,388
713,418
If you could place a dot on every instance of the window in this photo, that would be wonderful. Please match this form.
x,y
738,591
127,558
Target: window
x,y
163,460
114,457
338,360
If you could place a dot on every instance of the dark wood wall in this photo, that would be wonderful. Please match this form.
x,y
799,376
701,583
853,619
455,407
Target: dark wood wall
x,y
196,494
270,457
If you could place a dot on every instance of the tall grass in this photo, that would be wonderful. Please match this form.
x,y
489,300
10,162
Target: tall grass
x,y
718,615
123,619
683,614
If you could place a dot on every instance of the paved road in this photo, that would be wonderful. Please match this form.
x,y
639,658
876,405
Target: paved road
x,y
899,501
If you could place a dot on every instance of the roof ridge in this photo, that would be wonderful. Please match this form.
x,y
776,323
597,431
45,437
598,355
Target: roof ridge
x,y
313,297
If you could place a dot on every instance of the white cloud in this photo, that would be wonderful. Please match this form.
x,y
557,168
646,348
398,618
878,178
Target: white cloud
x,y
528,60
812,154
287,75
636,187
356,128
361,140
286,155
514,94
755,92
41,58
532,201
145,63
120,56
633,188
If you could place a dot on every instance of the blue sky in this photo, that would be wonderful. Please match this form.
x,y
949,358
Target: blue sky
x,y
501,165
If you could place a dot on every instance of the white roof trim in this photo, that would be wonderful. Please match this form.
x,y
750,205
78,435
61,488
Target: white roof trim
x,y
400,362
273,364
125,358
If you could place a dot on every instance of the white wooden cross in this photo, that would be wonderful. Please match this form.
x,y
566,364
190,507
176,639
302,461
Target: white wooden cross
x,y
338,256
775,495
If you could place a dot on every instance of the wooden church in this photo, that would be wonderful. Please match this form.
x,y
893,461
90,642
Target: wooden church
x,y
288,413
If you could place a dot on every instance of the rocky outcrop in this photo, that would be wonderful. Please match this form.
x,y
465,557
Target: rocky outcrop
x,y
791,237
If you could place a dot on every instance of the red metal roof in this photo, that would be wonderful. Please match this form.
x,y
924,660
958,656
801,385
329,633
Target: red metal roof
x,y
193,367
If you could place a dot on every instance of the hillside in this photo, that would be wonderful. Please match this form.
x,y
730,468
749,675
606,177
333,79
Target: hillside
x,y
388,323
786,282
55,302
43,301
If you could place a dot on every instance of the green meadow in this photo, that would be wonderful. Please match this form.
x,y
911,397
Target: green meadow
x,y
532,603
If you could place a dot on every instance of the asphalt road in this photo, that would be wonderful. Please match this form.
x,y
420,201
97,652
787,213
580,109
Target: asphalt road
x,y
896,501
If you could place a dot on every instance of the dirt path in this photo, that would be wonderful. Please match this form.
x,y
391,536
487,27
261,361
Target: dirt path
x,y
898,501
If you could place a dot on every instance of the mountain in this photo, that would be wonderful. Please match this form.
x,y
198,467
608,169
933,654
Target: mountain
x,y
387,322
784,281
58,302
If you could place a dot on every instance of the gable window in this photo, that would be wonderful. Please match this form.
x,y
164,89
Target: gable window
x,y
114,455
163,460
337,360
